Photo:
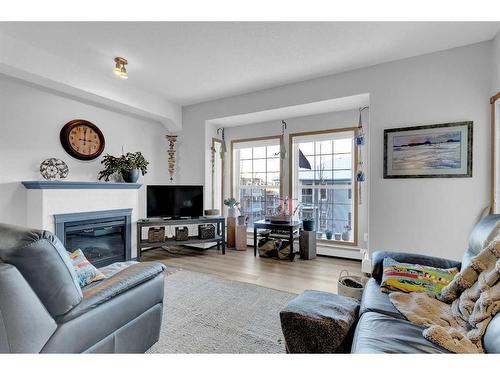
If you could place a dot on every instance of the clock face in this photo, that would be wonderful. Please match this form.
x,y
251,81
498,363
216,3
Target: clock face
x,y
82,139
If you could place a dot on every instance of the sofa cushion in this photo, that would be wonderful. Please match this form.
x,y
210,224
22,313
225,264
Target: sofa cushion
x,y
103,291
44,263
479,237
378,333
374,300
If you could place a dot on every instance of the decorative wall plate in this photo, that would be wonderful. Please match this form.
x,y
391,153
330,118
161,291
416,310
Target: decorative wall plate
x,y
53,169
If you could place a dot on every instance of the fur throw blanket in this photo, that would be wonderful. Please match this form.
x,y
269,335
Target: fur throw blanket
x,y
457,319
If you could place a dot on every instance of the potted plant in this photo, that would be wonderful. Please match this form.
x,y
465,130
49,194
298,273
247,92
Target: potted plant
x,y
128,166
329,234
346,234
232,205
308,224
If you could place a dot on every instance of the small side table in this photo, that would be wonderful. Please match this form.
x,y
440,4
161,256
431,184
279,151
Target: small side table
x,y
292,229
231,232
307,244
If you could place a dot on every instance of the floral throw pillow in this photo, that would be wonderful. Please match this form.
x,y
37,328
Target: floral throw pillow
x,y
406,277
85,271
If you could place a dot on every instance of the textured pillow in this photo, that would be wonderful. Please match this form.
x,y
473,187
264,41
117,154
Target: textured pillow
x,y
406,277
85,271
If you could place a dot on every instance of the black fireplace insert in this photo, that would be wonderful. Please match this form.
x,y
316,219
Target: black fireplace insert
x,y
104,239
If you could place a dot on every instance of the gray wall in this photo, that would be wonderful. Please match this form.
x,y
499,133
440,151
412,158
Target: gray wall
x,y
432,216
496,66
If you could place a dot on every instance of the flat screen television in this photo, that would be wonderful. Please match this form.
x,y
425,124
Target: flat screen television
x,y
174,201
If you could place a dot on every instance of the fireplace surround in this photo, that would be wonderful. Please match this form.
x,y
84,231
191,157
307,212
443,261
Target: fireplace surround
x,y
103,236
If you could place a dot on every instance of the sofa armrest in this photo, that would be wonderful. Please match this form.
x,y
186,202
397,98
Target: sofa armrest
x,y
119,283
25,324
425,260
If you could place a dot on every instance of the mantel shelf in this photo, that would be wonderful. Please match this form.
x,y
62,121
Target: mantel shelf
x,y
79,185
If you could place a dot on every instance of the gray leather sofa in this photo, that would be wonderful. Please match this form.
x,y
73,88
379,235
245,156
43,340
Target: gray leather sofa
x,y
382,329
44,310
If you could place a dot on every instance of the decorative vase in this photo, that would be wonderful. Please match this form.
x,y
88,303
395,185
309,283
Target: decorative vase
x,y
231,212
346,235
130,176
329,234
242,220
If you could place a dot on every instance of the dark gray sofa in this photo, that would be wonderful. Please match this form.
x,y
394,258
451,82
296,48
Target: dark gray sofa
x,y
44,310
382,329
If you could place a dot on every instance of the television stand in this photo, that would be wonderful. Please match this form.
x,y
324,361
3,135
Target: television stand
x,y
220,232
168,218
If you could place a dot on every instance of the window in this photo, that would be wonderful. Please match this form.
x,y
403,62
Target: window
x,y
257,176
322,179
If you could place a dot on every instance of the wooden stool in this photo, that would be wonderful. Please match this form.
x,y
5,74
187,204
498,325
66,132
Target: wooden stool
x,y
231,229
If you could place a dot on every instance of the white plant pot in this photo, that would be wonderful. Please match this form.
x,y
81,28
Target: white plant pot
x,y
231,212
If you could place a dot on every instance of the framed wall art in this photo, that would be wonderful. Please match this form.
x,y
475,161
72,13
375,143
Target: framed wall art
x,y
429,151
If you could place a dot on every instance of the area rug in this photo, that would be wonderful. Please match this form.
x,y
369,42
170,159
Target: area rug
x,y
207,314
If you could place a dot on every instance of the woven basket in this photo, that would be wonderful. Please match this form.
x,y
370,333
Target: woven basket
x,y
156,234
348,291
206,231
181,233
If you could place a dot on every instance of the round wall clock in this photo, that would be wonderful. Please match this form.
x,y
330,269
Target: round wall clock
x,y
82,139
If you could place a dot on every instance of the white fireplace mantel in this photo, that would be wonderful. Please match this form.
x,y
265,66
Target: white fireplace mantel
x,y
48,198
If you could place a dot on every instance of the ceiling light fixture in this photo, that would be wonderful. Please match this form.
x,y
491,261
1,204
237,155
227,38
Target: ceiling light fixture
x,y
120,69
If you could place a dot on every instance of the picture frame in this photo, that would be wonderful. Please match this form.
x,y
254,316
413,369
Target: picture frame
x,y
429,151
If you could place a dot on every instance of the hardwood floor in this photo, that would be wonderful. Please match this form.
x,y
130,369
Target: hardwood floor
x,y
320,274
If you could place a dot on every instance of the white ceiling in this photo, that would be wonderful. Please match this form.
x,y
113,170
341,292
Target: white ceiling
x,y
300,110
189,62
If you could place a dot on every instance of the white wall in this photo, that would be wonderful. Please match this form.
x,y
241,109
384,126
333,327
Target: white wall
x,y
431,216
331,120
495,65
30,121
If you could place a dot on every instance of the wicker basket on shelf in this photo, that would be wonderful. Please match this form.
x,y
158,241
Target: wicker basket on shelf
x,y
206,231
156,234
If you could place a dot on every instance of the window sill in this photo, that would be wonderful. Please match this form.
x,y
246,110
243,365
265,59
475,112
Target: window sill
x,y
328,248
338,244
321,241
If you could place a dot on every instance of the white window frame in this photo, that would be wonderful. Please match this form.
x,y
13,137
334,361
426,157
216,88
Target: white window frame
x,y
235,163
295,188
